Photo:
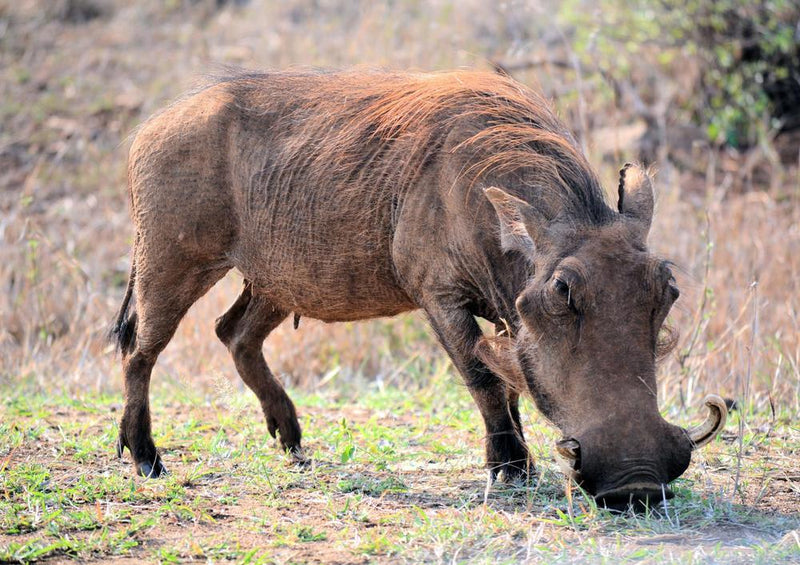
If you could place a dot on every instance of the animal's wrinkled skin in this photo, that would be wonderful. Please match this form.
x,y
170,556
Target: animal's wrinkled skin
x,y
353,195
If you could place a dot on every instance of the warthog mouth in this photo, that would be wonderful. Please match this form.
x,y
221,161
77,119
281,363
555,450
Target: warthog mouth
x,y
637,490
637,495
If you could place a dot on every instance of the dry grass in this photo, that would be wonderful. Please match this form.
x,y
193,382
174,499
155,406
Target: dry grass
x,y
72,90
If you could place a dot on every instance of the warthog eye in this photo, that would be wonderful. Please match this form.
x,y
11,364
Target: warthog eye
x,y
672,288
564,291
670,284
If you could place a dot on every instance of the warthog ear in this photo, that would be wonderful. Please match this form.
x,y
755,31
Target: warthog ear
x,y
520,223
636,195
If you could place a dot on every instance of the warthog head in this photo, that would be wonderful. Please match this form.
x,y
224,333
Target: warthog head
x,y
590,332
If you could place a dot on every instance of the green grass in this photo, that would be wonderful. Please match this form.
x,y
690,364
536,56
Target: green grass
x,y
396,476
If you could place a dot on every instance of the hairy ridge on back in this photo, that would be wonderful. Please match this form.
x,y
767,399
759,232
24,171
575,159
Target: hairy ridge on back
x,y
367,128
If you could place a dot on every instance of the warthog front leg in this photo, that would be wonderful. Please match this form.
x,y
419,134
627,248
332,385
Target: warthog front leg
x,y
506,452
243,329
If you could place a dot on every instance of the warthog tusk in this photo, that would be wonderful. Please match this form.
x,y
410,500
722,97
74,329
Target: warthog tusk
x,y
569,449
568,459
714,423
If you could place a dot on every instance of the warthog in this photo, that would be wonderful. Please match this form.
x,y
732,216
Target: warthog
x,y
353,195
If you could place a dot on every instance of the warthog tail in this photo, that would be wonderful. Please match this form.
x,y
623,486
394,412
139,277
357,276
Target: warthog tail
x,y
123,332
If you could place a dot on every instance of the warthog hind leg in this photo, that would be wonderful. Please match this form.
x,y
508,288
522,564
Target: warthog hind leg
x,y
243,329
163,295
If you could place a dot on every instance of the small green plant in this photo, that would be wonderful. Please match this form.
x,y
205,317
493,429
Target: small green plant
x,y
308,534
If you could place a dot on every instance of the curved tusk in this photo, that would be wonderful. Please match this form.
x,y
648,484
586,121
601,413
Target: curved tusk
x,y
569,450
568,459
714,423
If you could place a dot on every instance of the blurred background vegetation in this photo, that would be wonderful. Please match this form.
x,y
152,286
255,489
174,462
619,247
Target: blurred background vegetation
x,y
738,62
708,91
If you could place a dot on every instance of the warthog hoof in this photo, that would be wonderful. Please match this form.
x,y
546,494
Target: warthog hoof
x,y
152,470
512,474
287,431
297,458
508,459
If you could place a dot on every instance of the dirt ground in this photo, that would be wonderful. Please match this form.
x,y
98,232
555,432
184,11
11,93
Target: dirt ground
x,y
237,498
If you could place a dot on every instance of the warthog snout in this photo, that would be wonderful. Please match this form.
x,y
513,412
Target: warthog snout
x,y
634,468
